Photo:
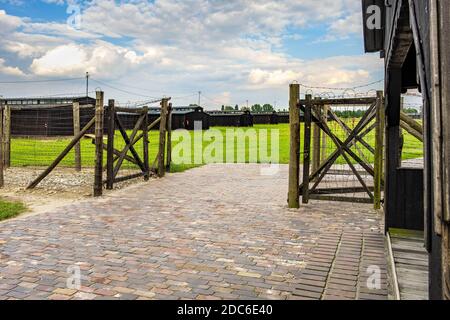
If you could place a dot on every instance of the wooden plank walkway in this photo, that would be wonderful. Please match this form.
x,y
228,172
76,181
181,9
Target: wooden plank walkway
x,y
411,265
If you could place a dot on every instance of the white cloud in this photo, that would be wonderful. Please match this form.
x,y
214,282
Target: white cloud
x,y
12,71
101,58
8,23
345,27
228,47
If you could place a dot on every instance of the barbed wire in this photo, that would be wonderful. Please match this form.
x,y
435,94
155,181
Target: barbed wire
x,y
340,88
122,90
348,93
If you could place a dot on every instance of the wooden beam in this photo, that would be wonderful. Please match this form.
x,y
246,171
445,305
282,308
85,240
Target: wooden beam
x,y
169,138
444,39
340,199
411,122
392,145
316,136
325,110
129,177
294,162
379,142
444,47
307,149
76,131
411,131
138,111
98,175
7,136
343,190
110,146
145,142
162,138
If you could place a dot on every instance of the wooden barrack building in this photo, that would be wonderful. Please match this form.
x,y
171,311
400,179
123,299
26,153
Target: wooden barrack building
x,y
413,38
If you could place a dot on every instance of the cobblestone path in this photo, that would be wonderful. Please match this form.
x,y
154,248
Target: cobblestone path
x,y
216,232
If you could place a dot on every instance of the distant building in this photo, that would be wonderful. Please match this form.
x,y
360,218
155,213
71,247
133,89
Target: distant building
x,y
185,117
231,119
47,116
182,118
265,118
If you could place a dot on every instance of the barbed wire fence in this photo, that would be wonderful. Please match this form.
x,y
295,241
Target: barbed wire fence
x,y
36,131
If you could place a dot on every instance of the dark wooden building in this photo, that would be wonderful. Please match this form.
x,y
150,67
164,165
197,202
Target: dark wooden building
x,y
265,118
185,117
283,117
231,118
182,118
413,38
47,117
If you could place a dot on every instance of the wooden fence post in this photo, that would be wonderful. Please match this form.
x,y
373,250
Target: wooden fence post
x,y
294,163
162,138
325,110
2,181
379,142
169,138
110,147
7,137
76,131
316,140
98,178
307,148
146,144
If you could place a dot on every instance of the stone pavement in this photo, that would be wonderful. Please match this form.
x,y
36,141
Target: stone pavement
x,y
216,232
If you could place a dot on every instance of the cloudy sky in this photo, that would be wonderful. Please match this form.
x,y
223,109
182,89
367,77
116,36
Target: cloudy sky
x,y
231,50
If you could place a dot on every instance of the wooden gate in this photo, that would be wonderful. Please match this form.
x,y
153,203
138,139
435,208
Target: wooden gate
x,y
142,127
361,161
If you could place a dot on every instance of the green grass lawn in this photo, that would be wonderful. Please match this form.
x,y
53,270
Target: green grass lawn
x,y
10,209
41,152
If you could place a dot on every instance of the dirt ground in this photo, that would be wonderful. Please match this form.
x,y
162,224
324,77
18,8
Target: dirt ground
x,y
62,187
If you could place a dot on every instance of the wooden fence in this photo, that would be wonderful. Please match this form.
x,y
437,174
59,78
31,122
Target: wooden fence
x,y
104,125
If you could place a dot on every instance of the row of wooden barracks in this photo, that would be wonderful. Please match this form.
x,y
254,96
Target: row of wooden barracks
x,y
413,38
52,117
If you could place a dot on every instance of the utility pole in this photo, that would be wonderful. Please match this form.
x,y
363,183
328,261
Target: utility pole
x,y
199,98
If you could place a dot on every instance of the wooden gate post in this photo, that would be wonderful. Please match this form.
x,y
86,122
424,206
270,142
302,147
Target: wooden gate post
x,y
307,148
316,139
379,142
294,162
325,110
162,138
146,142
110,147
169,138
7,137
98,178
1,148
76,131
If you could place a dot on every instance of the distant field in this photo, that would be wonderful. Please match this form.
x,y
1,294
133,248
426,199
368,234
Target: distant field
x,y
41,152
